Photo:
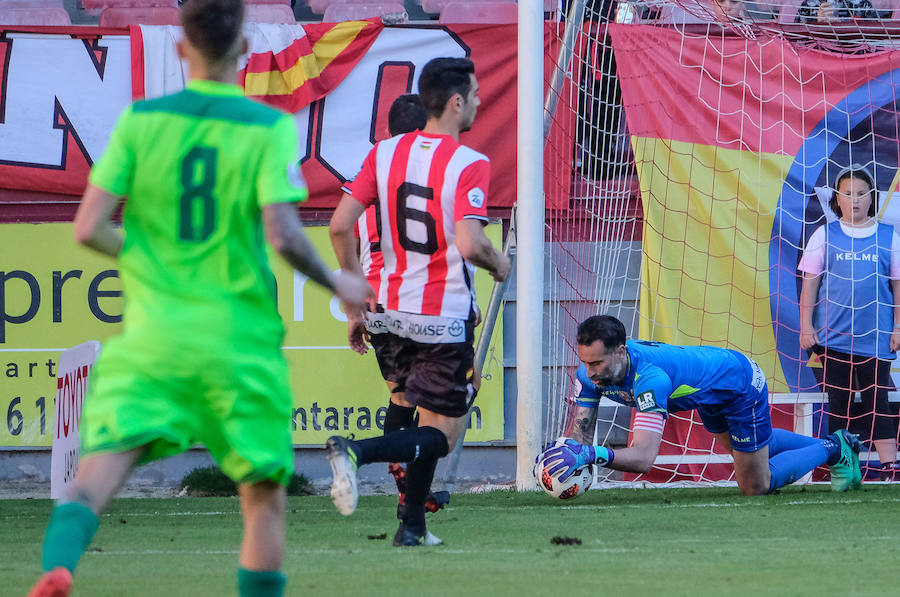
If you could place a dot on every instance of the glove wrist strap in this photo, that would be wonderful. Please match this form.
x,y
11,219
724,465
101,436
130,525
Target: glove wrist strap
x,y
603,456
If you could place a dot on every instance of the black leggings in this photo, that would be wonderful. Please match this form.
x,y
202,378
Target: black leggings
x,y
874,378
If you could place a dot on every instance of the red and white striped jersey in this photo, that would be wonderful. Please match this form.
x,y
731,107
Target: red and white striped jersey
x,y
418,186
368,233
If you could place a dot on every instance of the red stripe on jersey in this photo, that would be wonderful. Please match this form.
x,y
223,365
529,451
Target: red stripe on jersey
x,y
396,177
433,296
654,422
364,187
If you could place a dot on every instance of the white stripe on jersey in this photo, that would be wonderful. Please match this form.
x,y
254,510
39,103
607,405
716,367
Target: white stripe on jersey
x,y
654,422
365,248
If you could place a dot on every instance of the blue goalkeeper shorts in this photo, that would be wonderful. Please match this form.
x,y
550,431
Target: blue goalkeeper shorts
x,y
744,415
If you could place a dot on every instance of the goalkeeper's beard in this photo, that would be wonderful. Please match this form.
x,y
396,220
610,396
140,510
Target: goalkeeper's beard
x,y
614,377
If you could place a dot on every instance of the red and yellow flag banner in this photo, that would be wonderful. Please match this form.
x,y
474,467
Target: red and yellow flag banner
x,y
62,94
732,136
311,66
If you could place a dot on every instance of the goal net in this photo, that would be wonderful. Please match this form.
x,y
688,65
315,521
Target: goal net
x,y
709,137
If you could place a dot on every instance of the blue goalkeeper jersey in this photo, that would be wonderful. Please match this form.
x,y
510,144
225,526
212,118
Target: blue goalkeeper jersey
x,y
664,378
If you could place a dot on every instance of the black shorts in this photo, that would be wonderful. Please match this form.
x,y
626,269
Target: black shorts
x,y
436,377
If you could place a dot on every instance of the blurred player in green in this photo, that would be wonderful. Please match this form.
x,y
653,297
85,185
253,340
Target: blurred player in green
x,y
208,173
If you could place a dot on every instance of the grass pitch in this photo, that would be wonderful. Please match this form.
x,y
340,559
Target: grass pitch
x,y
689,542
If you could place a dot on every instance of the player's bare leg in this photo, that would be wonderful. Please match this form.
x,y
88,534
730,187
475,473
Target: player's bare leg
x,y
100,476
451,426
74,519
262,505
262,549
751,469
887,450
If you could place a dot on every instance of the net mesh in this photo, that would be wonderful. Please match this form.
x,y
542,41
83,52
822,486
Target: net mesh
x,y
708,139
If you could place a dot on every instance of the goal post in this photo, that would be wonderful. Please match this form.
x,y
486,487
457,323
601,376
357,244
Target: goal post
x,y
530,239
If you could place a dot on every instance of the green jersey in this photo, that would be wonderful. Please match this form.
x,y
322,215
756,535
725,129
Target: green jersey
x,y
197,167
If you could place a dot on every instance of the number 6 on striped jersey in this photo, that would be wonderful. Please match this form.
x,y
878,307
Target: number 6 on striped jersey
x,y
405,212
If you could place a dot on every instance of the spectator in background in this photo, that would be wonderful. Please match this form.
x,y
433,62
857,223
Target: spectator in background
x,y
823,12
849,310
728,9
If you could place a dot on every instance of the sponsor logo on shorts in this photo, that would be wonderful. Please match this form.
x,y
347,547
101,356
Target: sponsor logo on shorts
x,y
428,329
759,378
375,323
740,440
476,198
418,329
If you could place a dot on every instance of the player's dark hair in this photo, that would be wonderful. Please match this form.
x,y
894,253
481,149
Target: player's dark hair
x,y
605,328
440,79
860,173
407,114
213,26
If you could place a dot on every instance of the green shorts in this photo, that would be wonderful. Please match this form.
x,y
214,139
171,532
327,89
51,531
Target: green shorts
x,y
237,404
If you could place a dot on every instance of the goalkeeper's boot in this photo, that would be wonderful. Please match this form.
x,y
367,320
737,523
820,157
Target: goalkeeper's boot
x,y
55,583
845,473
406,537
342,458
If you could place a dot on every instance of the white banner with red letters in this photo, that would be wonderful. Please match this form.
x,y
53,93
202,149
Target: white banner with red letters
x,y
60,95
71,382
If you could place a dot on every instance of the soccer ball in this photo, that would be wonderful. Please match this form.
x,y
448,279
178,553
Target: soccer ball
x,y
571,488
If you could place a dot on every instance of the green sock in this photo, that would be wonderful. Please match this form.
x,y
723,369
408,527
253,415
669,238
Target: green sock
x,y
72,525
267,583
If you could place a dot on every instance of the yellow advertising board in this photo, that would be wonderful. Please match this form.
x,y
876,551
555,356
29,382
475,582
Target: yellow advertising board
x,y
55,294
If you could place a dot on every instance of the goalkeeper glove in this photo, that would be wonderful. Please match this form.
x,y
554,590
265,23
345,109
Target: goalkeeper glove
x,y
567,458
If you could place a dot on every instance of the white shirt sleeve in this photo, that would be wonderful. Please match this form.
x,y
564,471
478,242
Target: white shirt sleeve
x,y
895,256
813,260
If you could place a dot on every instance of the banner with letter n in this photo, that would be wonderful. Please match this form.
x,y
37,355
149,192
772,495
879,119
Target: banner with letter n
x,y
71,382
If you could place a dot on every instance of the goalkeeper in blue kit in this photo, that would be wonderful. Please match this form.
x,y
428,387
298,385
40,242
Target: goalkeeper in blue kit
x,y
727,389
